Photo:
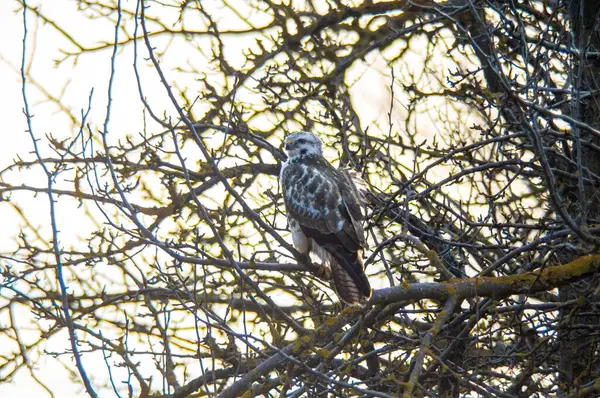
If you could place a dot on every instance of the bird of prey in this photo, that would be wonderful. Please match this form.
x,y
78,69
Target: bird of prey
x,y
324,214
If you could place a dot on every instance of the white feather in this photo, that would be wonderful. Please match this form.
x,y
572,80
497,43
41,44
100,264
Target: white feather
x,y
301,242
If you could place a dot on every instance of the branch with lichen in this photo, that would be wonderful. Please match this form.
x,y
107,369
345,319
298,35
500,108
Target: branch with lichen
x,y
427,341
452,292
291,350
494,287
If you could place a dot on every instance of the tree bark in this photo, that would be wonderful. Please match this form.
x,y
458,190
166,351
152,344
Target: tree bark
x,y
578,347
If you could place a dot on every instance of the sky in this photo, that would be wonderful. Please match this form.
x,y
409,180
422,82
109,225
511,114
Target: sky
x,y
73,83
16,140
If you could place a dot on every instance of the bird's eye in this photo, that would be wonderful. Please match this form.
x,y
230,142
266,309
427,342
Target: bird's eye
x,y
301,141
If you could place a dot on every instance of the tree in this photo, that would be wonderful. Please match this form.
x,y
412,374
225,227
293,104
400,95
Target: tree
x,y
178,279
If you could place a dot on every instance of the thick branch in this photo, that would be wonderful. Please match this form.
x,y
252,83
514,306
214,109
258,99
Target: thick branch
x,y
530,282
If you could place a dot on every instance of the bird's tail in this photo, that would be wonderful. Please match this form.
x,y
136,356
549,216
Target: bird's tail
x,y
350,281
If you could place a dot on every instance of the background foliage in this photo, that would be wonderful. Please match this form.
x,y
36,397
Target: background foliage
x,y
152,258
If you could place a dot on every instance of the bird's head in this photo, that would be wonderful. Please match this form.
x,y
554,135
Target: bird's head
x,y
302,144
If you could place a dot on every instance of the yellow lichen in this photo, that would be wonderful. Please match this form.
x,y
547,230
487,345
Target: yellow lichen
x,y
301,343
451,289
350,310
322,352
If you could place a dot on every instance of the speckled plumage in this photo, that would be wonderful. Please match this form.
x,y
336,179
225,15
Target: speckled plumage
x,y
324,214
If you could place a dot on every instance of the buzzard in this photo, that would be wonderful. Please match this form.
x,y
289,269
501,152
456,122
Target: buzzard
x,y
324,214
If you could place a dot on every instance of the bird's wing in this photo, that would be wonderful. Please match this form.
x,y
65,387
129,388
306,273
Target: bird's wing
x,y
353,201
324,203
320,198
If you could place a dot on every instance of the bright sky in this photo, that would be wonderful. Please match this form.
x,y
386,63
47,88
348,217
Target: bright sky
x,y
16,140
90,73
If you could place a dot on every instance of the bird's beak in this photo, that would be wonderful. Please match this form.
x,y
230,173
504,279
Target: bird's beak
x,y
288,146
